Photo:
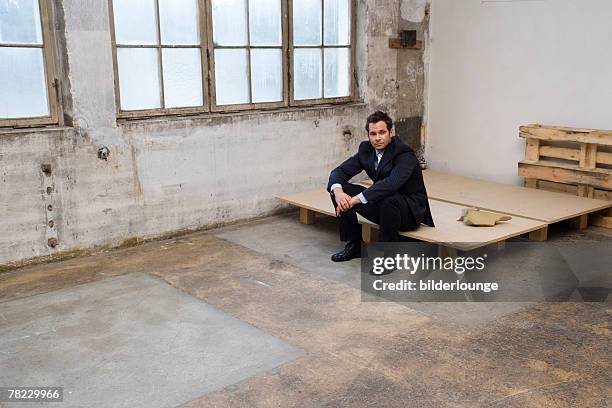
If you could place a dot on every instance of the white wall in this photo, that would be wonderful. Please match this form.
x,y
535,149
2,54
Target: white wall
x,y
496,65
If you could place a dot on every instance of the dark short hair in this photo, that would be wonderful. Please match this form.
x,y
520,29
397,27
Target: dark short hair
x,y
377,117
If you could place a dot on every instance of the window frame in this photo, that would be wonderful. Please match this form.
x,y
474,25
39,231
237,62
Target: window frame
x,y
51,80
351,47
203,46
248,47
208,66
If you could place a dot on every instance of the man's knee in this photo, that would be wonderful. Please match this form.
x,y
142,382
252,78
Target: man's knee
x,y
390,202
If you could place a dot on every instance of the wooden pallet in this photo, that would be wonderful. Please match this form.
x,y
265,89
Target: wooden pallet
x,y
448,231
569,160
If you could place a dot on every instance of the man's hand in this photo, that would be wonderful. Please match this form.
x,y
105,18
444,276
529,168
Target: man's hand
x,y
342,199
345,202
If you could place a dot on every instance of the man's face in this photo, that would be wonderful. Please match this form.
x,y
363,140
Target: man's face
x,y
379,135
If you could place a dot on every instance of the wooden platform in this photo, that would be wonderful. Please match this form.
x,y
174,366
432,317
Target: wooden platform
x,y
448,232
540,205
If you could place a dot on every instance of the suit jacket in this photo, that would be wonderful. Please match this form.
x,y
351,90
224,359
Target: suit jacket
x,y
399,172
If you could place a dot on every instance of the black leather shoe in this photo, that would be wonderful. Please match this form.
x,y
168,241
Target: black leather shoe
x,y
351,250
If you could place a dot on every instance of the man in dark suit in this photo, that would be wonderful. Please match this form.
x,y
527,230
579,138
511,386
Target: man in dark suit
x,y
397,201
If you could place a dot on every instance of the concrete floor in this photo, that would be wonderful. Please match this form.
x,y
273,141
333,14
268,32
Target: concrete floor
x,y
130,341
294,330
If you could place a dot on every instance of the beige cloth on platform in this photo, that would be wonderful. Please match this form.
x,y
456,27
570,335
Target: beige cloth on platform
x,y
479,218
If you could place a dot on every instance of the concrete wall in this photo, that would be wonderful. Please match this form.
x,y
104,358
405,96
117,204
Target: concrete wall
x,y
497,65
172,174
401,87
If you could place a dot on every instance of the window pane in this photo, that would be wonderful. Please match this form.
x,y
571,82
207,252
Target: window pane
x,y
265,22
231,77
307,22
138,78
337,77
20,22
182,77
266,71
337,22
135,22
307,73
229,22
23,91
178,20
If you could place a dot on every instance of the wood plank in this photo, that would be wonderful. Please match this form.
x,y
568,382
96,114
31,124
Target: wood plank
x,y
561,134
448,231
600,221
604,158
531,183
580,222
455,234
532,153
559,153
566,128
565,173
307,217
532,149
558,187
586,191
369,233
603,134
539,235
572,189
588,155
602,195
509,199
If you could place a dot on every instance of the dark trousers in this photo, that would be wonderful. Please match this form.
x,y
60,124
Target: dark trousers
x,y
392,214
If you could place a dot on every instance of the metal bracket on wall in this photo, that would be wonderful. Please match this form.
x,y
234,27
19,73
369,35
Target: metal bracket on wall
x,y
407,40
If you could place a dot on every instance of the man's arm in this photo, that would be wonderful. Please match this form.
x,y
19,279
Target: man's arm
x,y
341,174
405,163
344,172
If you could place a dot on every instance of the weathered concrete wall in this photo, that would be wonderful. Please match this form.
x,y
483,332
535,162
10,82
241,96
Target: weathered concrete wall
x,y
414,15
170,174
498,65
399,86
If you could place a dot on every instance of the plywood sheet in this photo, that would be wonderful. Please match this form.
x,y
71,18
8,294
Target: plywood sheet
x,y
448,230
508,199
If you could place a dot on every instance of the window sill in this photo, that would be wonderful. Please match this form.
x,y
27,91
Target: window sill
x,y
247,114
33,129
203,117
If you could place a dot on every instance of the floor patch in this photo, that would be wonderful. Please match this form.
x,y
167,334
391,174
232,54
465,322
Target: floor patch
x,y
130,341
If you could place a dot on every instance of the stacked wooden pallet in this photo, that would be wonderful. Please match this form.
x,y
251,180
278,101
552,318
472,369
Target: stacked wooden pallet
x,y
570,160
